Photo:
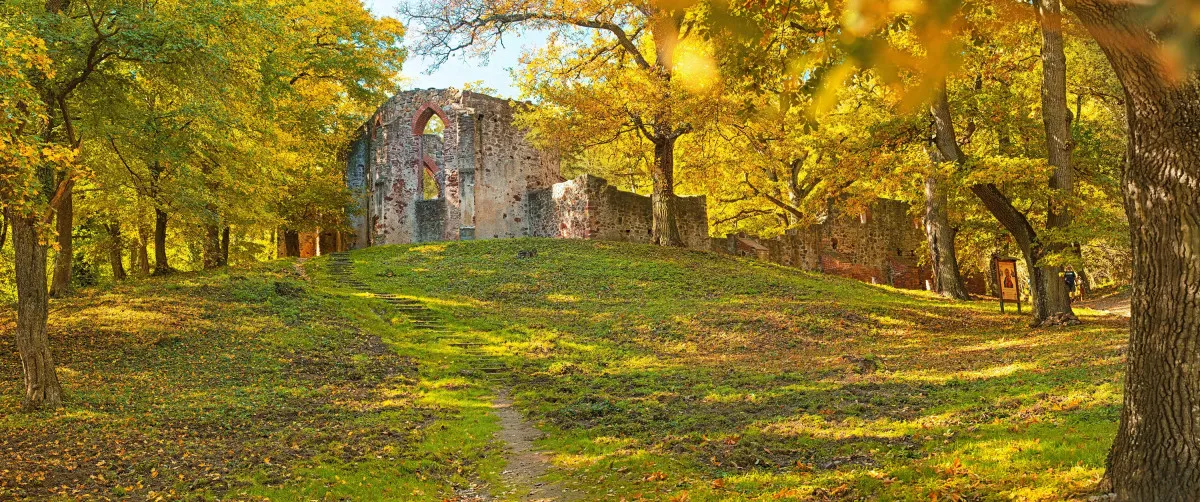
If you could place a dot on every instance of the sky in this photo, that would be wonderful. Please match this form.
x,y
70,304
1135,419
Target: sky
x,y
456,71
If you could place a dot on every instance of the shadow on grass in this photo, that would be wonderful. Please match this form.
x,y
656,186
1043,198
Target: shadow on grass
x,y
660,371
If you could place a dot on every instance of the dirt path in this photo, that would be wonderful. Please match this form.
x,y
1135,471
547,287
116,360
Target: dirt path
x,y
526,466
300,268
1115,304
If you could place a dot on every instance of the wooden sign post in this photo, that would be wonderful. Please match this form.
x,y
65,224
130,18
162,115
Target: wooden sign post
x,y
1010,284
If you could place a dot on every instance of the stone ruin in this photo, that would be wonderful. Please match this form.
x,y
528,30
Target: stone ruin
x,y
876,246
476,177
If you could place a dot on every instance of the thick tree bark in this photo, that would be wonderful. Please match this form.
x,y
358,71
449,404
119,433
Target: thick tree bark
x,y
291,243
116,245
939,235
42,388
1156,454
65,223
1040,279
161,267
664,29
665,230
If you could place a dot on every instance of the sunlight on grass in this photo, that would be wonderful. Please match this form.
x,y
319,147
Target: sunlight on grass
x,y
667,373
559,298
428,249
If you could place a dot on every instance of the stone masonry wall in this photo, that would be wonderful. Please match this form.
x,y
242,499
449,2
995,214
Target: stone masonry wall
x,y
506,169
877,246
588,207
482,163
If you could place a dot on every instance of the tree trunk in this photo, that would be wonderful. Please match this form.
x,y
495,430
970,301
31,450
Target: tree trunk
x,y
212,246
1043,280
939,235
143,254
161,267
114,251
993,287
1156,454
1056,118
3,227
42,389
224,257
665,227
291,243
65,222
1049,294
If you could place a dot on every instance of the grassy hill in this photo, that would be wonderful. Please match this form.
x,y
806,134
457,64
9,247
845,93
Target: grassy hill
x,y
654,373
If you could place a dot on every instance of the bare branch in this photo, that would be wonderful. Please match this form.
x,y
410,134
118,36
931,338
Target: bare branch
x,y
460,25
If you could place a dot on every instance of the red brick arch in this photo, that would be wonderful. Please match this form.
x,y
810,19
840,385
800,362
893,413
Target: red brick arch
x,y
426,112
429,165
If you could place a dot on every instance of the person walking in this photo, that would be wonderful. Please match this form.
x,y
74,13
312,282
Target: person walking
x,y
1069,278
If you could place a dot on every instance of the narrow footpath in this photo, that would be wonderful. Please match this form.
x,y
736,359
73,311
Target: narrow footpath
x,y
525,465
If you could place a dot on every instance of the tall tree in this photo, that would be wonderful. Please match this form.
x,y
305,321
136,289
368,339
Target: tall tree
x,y
1056,118
1042,277
620,69
939,233
28,191
1154,456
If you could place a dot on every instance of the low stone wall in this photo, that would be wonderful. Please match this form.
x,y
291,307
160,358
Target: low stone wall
x,y
878,246
588,207
431,220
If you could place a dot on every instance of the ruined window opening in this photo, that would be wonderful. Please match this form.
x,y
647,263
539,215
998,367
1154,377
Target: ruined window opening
x,y
435,127
429,127
430,186
833,243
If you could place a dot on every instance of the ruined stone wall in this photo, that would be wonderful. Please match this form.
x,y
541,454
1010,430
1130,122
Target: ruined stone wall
x,y
588,207
505,169
357,160
877,246
482,163
493,184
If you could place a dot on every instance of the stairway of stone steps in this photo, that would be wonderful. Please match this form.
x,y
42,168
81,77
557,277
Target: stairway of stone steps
x,y
421,318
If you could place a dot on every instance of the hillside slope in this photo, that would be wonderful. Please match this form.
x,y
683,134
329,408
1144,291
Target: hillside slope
x,y
661,372
654,373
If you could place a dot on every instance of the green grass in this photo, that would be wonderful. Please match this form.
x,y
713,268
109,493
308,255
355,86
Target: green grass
x,y
248,385
655,373
678,374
